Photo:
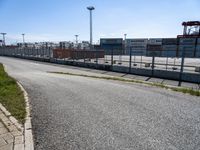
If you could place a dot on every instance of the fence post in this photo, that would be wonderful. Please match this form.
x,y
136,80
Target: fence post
x,y
182,65
167,63
84,55
130,61
97,58
112,58
152,66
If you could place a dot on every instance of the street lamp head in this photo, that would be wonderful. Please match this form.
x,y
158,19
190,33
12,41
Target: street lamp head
x,y
90,8
3,33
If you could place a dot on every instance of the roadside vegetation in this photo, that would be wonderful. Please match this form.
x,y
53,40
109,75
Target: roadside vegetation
x,y
11,96
173,88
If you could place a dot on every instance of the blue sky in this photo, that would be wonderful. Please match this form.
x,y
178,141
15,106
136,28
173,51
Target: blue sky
x,y
60,20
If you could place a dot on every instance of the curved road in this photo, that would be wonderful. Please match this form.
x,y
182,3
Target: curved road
x,y
72,113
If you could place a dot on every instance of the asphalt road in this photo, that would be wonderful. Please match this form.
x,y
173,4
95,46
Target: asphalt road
x,y
70,112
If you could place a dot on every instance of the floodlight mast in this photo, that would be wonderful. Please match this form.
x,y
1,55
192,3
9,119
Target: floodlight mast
x,y
23,38
76,39
91,8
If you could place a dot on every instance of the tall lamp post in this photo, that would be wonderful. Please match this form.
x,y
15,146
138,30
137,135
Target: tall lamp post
x,y
23,38
90,8
4,39
76,39
125,42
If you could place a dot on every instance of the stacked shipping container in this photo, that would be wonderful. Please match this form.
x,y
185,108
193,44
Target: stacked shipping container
x,y
187,47
154,47
112,46
197,53
169,47
77,54
136,46
166,47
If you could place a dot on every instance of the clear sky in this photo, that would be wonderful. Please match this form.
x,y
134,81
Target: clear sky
x,y
60,20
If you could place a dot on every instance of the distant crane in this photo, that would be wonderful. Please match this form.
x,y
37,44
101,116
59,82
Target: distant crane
x,y
4,39
191,29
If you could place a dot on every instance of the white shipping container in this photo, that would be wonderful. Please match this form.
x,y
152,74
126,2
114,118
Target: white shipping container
x,y
169,47
187,41
155,41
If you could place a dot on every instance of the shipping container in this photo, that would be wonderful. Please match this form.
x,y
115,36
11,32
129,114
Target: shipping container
x,y
132,42
198,48
168,53
114,52
187,54
198,41
169,47
77,54
186,47
155,41
154,47
153,53
169,41
187,41
197,55
111,41
138,47
138,53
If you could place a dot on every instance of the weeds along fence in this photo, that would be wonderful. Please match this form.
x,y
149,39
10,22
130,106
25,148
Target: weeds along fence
x,y
184,67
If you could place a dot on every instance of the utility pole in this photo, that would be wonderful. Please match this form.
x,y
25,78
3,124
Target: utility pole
x,y
4,39
90,8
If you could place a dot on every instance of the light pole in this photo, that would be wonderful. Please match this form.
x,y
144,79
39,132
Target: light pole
x,y
76,39
23,38
125,42
90,8
4,39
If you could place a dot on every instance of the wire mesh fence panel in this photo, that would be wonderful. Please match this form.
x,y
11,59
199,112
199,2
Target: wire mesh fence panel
x,y
166,60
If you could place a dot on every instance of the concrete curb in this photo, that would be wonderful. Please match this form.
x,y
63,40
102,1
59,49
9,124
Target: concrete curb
x,y
28,136
23,138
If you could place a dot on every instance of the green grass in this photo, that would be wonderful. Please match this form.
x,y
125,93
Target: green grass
x,y
11,96
177,89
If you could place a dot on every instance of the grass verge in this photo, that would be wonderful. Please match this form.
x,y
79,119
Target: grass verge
x,y
11,96
177,89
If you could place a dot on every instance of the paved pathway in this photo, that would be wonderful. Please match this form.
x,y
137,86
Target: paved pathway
x,y
72,112
11,138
